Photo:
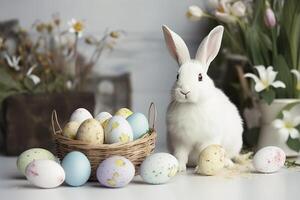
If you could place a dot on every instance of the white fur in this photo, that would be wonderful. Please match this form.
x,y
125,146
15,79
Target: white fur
x,y
204,115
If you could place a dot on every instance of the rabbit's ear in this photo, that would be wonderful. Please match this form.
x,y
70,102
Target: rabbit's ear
x,y
176,46
210,46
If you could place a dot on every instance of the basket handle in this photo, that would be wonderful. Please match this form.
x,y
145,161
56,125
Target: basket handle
x,y
152,112
54,122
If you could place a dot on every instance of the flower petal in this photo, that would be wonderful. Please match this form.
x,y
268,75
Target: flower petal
x,y
278,84
225,17
294,133
35,79
259,86
252,76
262,72
296,73
271,74
286,115
278,123
296,121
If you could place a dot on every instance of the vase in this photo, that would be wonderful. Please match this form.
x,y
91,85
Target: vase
x,y
269,135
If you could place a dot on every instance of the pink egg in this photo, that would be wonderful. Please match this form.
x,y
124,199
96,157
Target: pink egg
x,y
115,171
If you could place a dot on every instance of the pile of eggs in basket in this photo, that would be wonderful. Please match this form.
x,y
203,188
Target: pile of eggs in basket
x,y
124,126
44,170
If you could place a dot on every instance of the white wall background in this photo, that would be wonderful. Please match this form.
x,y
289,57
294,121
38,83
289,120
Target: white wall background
x,y
142,51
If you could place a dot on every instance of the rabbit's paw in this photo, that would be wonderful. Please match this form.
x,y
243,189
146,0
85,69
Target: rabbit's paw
x,y
182,167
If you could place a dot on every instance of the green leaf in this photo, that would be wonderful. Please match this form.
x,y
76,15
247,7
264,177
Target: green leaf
x,y
267,95
293,143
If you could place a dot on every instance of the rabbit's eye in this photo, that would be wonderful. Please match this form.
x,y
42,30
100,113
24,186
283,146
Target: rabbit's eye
x,y
177,77
200,77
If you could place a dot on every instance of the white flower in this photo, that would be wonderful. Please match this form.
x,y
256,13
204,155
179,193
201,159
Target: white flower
x,y
69,85
297,74
35,79
287,125
223,12
194,13
13,62
238,9
266,78
76,27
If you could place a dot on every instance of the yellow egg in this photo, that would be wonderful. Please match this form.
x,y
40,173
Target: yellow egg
x,y
211,160
70,129
91,131
124,112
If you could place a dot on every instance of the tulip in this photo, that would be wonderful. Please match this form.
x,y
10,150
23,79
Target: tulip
x,y
194,13
269,18
238,9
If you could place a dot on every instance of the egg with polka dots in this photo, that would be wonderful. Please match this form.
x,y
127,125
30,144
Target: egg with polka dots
x,y
159,168
115,172
269,159
118,130
33,154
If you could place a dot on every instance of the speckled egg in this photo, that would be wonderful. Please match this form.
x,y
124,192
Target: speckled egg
x,y
115,171
77,168
269,159
211,160
159,168
33,154
124,112
70,129
45,173
80,115
103,117
118,130
139,124
90,131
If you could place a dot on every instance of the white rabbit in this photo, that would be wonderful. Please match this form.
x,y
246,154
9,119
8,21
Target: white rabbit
x,y
199,114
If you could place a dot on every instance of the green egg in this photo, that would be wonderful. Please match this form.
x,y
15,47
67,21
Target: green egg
x,y
33,154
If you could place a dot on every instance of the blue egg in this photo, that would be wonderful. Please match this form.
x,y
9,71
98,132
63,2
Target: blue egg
x,y
77,168
139,124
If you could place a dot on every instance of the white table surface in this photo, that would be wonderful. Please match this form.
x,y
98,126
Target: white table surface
x,y
284,184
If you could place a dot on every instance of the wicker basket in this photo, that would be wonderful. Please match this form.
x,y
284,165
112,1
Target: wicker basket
x,y
136,151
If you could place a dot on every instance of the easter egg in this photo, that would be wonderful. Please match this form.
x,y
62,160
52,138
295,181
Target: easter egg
x,y
70,129
118,130
90,131
33,154
159,168
269,159
115,171
103,117
45,173
80,115
139,124
211,160
124,112
77,168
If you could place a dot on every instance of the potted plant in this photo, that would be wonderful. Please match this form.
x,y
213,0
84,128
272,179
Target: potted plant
x,y
267,34
42,71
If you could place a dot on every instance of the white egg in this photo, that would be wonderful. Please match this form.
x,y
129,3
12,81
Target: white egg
x,y
45,173
102,117
118,130
80,115
269,159
159,168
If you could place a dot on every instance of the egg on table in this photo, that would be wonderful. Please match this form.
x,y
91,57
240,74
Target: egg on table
x,y
211,160
115,171
90,131
80,115
70,129
124,112
77,168
139,124
269,159
45,173
33,154
118,130
159,168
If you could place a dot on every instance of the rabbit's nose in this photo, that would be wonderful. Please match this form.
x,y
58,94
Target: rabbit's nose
x,y
184,93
